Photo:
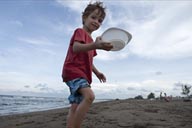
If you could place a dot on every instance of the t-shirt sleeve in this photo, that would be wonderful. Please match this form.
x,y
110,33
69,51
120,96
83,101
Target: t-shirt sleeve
x,y
79,36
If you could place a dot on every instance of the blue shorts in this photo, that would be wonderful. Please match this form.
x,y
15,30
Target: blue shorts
x,y
74,86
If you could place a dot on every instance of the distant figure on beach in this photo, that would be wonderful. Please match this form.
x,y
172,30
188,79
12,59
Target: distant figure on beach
x,y
78,65
164,97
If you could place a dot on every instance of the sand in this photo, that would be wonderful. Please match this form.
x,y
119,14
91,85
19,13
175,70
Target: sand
x,y
112,114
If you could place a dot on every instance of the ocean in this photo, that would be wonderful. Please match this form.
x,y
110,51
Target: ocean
x,y
13,104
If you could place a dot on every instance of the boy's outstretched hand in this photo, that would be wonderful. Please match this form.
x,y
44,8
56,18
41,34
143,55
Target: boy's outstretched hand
x,y
101,77
100,44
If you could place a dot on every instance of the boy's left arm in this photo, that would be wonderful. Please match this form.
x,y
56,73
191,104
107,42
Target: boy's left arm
x,y
99,75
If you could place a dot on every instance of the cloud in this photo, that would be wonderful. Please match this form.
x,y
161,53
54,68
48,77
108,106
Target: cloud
x,y
131,89
62,27
16,23
36,41
40,85
160,31
158,73
27,86
42,44
44,87
144,90
74,5
24,81
166,36
18,79
104,55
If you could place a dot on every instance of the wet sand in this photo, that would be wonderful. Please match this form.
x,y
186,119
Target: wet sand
x,y
112,114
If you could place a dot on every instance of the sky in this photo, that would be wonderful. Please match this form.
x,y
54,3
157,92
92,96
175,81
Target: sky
x,y
35,34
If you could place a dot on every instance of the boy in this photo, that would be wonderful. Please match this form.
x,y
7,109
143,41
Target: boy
x,y
78,65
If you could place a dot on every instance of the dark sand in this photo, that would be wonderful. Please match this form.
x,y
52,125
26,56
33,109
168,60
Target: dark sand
x,y
112,114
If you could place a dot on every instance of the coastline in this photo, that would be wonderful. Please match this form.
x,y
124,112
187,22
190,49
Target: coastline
x,y
111,114
18,104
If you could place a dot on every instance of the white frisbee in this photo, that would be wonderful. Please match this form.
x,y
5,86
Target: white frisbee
x,y
119,38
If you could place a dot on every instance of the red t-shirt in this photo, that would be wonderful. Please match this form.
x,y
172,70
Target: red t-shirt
x,y
78,65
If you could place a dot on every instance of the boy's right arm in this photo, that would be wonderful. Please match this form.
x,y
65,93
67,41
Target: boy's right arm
x,y
99,44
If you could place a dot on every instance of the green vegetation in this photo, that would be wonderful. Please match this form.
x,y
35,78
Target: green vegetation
x,y
151,96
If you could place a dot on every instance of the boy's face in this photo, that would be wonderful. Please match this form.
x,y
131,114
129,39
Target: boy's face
x,y
93,21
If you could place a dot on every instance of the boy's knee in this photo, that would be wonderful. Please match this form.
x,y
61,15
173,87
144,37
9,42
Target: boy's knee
x,y
89,98
92,98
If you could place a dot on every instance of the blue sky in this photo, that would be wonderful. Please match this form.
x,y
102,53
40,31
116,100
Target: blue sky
x,y
34,39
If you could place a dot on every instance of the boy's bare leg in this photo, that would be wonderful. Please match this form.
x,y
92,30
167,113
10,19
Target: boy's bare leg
x,y
83,107
71,115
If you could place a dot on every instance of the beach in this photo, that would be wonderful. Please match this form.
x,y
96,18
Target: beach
x,y
128,113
